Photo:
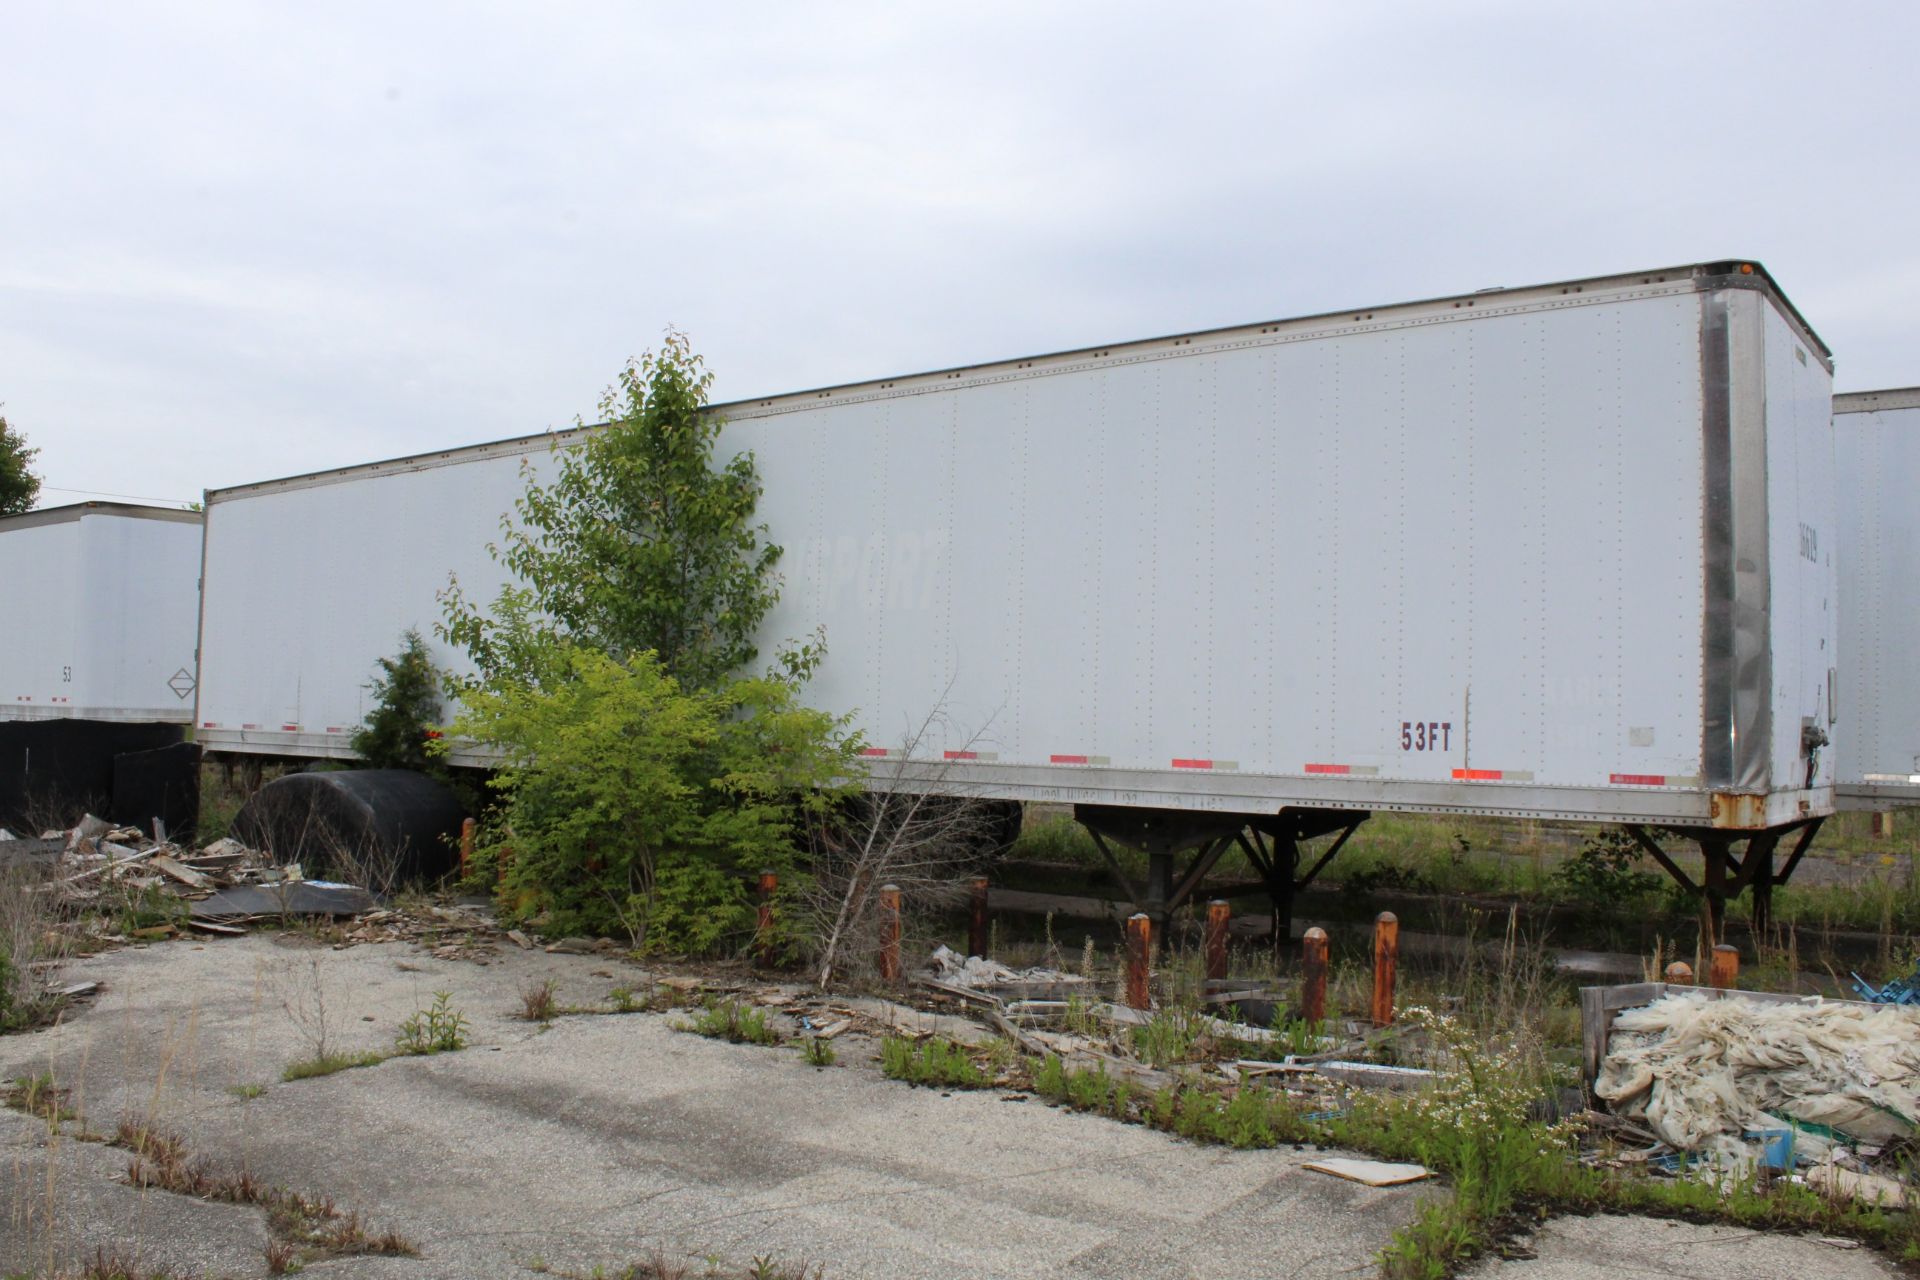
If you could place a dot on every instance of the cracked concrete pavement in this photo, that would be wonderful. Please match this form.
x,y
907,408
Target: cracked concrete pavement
x,y
604,1139
607,1139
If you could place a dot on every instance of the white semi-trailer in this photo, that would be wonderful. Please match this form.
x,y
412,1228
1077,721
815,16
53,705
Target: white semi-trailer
x,y
1558,552
1876,444
99,602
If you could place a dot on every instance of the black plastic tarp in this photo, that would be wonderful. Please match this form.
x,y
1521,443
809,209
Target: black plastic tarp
x,y
380,828
52,771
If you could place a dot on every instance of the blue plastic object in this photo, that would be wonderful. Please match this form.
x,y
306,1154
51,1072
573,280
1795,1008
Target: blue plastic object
x,y
1900,991
1776,1151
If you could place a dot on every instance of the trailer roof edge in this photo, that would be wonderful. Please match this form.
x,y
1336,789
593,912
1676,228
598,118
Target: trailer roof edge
x,y
1870,401
80,510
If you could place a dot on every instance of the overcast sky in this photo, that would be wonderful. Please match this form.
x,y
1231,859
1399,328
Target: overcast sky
x,y
244,241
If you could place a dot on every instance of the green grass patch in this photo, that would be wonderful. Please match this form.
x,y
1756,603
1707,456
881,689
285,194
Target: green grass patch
x,y
327,1064
734,1022
936,1062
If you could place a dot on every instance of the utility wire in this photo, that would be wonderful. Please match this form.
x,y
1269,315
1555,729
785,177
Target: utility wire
x,y
130,497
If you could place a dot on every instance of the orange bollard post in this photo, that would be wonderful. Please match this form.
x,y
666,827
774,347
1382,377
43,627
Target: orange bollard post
x,y
1313,976
977,922
466,845
1680,974
890,933
1386,959
763,927
1139,948
1219,916
1723,969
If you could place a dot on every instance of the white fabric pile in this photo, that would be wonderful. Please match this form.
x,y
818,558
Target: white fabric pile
x,y
1701,1072
973,971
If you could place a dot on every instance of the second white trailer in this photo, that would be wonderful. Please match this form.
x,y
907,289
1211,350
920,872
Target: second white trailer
x,y
1877,452
1562,552
98,609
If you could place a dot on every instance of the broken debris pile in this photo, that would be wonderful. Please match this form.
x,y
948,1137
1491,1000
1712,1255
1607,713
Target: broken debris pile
x,y
1048,1012
96,864
1718,1076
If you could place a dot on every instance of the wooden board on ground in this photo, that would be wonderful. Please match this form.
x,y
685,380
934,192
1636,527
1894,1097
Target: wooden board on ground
x,y
1372,1173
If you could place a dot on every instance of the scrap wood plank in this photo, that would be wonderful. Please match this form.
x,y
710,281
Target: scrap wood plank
x,y
959,992
90,872
173,870
1371,1173
214,927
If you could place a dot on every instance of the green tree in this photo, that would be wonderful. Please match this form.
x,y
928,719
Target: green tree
x,y
406,710
639,544
643,773
19,486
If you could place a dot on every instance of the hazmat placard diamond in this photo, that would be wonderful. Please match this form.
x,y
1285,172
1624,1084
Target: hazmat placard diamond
x,y
182,684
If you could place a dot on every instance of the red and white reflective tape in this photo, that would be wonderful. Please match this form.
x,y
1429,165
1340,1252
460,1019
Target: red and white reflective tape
x,y
1197,763
334,728
59,699
1493,775
1652,780
1342,770
879,753
1073,759
983,756
22,698
209,724
249,726
289,728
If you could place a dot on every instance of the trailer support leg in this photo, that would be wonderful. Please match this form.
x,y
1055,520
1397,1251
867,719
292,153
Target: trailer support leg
x,y
1760,859
1713,850
1724,876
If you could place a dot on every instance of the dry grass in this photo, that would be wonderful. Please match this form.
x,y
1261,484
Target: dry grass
x,y
309,1226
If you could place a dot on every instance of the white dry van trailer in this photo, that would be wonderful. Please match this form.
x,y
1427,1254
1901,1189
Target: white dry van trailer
x,y
98,607
1876,446
1559,552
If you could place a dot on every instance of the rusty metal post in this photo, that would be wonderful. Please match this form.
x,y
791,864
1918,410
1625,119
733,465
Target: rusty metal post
x,y
1883,824
890,933
1723,970
1313,976
1139,949
466,845
1386,960
1219,916
977,923
1680,973
763,927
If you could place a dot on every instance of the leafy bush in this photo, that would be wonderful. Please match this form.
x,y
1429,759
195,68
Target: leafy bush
x,y
632,804
1606,871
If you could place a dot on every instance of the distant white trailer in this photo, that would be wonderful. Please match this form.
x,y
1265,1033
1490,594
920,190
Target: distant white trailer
x,y
98,610
1876,438
1557,552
